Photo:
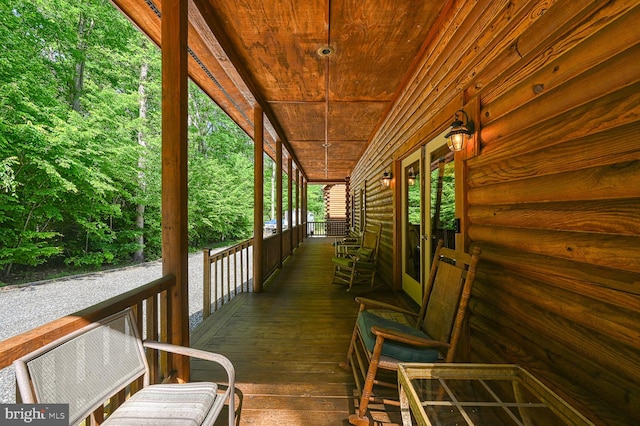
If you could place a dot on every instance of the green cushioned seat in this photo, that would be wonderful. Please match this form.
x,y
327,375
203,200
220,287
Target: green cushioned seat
x,y
364,253
399,351
345,262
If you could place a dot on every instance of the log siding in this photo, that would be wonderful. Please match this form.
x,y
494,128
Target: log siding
x,y
553,196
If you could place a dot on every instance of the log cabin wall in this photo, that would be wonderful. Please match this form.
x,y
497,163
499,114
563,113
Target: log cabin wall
x,y
335,202
378,199
553,196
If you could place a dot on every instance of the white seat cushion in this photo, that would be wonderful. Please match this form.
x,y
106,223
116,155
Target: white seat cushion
x,y
167,404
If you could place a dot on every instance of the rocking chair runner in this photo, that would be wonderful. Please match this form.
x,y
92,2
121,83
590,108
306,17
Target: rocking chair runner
x,y
382,343
357,263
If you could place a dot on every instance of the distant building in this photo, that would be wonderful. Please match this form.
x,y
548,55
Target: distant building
x,y
335,201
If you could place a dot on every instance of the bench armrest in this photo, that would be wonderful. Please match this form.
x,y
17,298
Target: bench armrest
x,y
204,355
194,353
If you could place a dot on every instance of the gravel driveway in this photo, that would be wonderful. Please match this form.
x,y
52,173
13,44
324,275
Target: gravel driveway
x,y
26,307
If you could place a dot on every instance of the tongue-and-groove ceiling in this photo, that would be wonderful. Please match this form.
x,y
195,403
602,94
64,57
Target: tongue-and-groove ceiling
x,y
325,72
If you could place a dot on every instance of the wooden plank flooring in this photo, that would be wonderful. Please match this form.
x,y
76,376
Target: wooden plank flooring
x,y
286,343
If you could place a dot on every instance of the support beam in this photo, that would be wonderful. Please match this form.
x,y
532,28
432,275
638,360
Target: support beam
x,y
279,200
347,198
258,198
298,209
290,203
174,175
304,215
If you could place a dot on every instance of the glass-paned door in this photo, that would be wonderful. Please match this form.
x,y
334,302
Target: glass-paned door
x,y
412,224
419,194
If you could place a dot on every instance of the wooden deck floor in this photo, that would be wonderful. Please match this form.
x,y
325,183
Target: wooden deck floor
x,y
286,343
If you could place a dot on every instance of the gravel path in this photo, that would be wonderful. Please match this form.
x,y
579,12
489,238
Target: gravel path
x,y
26,307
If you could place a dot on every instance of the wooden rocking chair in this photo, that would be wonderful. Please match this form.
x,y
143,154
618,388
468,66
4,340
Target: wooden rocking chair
x,y
356,263
352,238
382,343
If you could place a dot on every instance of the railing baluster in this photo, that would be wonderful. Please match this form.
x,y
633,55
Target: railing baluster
x,y
166,365
249,246
152,334
228,275
241,269
206,285
215,284
235,271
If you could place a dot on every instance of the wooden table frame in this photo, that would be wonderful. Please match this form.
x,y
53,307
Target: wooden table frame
x,y
522,382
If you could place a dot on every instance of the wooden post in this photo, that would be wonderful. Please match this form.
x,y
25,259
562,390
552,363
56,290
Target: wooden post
x,y
303,216
174,174
347,200
279,200
258,198
303,210
298,209
290,202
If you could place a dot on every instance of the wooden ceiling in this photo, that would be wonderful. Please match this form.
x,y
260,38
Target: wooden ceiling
x,y
325,108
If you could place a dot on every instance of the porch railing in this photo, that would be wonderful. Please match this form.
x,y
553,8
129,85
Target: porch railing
x,y
226,273
271,247
331,228
153,320
230,272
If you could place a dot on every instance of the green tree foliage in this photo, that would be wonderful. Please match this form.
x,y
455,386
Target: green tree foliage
x,y
448,201
72,170
220,175
29,108
315,202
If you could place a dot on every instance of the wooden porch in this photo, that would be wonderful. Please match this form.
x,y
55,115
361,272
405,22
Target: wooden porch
x,y
286,343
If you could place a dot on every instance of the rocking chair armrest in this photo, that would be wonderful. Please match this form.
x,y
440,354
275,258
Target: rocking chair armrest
x,y
350,244
371,303
347,249
408,339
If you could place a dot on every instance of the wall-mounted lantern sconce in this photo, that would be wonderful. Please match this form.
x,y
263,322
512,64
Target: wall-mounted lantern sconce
x,y
385,180
411,177
460,131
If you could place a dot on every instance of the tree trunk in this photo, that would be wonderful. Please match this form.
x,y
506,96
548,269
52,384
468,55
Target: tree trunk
x,y
138,256
85,25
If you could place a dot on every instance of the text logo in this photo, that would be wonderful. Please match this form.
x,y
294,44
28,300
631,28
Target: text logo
x,y
34,414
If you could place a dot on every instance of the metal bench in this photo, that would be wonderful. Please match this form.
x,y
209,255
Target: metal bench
x,y
88,367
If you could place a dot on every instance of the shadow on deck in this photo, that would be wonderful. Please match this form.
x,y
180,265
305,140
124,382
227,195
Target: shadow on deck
x,y
286,343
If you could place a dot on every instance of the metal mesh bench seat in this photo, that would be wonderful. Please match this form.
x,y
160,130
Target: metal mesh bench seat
x,y
86,368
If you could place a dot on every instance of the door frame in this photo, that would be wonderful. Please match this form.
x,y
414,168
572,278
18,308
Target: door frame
x,y
435,144
434,127
409,284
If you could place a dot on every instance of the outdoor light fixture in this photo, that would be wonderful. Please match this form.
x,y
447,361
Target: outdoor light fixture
x,y
411,177
385,180
460,131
